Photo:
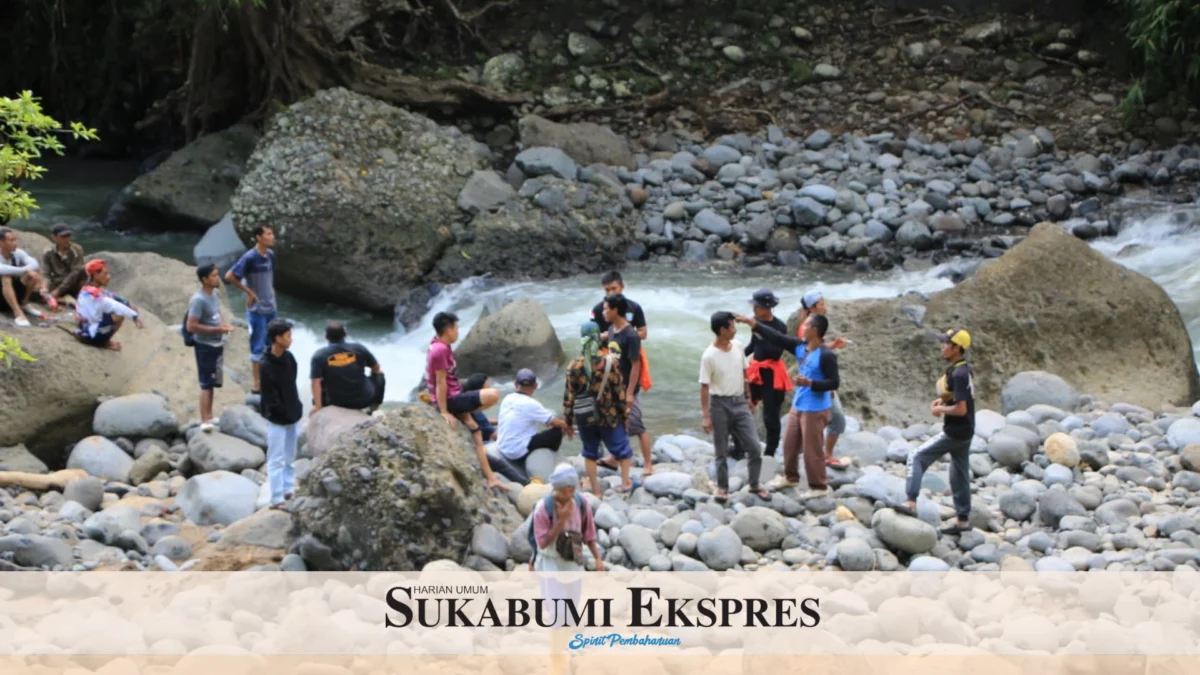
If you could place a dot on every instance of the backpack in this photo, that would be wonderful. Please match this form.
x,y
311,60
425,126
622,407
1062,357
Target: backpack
x,y
548,505
584,407
189,339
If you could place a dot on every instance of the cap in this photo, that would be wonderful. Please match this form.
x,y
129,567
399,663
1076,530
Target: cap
x,y
811,298
764,298
526,376
93,267
60,230
956,336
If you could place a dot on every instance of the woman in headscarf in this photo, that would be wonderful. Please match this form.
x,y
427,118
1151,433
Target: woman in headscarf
x,y
594,401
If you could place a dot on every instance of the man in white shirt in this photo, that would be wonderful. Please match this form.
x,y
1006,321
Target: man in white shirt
x,y
725,401
100,312
19,279
518,435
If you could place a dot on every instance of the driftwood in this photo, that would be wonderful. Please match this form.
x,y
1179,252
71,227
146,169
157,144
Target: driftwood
x,y
41,482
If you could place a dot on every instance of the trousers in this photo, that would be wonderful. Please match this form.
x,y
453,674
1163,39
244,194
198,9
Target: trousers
x,y
731,416
805,436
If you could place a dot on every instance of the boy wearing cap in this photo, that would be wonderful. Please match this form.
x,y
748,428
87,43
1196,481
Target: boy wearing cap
x,y
282,409
100,312
63,265
767,374
956,404
520,416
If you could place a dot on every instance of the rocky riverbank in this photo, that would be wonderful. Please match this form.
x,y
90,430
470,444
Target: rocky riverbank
x,y
1060,482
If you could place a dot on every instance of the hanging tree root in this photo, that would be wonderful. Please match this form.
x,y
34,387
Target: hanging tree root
x,y
41,482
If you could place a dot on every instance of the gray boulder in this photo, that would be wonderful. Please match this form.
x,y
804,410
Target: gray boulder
x,y
855,555
517,336
862,445
17,458
882,487
219,452
326,426
1184,432
547,161
487,541
484,191
1027,389
668,483
220,245
903,533
1009,450
101,458
1055,503
586,142
1018,505
720,548
32,550
149,465
217,498
88,492
710,223
135,416
760,528
638,543
174,547
245,423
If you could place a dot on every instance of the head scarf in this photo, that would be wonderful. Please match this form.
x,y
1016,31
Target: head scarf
x,y
589,340
564,476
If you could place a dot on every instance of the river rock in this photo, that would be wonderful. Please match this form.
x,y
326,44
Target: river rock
x,y
1184,432
192,189
585,142
1024,390
173,547
711,223
17,458
326,426
217,498
1009,450
218,452
720,548
244,423
220,245
101,458
531,494
136,416
37,551
487,541
266,528
391,188
517,336
484,191
1189,456
760,528
1055,503
905,534
864,446
638,543
1061,449
149,465
882,487
855,555
405,482
667,483
1018,505
1110,423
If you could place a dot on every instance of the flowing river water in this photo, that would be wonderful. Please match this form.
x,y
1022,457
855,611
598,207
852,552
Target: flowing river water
x,y
678,303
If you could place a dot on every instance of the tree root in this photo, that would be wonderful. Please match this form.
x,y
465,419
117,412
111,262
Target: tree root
x,y
41,482
647,104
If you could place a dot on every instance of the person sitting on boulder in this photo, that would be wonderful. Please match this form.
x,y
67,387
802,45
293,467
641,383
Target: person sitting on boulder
x,y
100,312
520,416
63,266
339,373
448,396
19,279
487,426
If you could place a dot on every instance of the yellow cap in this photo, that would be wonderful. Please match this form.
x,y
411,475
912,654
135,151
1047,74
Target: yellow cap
x,y
957,336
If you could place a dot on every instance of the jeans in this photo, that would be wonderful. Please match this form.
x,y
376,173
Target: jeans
x,y
960,469
258,333
281,454
615,439
837,417
514,469
731,416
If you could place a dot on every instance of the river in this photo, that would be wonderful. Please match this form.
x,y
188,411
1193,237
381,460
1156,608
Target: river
x,y
677,303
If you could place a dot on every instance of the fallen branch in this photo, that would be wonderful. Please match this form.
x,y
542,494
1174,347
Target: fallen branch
x,y
942,108
41,482
395,87
988,100
753,111
653,102
911,20
1042,57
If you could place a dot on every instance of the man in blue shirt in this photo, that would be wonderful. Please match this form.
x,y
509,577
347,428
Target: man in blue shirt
x,y
254,274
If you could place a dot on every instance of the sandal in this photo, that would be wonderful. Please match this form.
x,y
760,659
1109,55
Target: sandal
x,y
905,509
721,498
609,463
835,463
762,493
957,528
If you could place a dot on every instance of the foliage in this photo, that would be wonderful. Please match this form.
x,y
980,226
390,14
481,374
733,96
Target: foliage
x,y
1165,37
10,348
25,133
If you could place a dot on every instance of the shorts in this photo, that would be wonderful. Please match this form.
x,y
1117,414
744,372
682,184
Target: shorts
x,y
210,363
258,333
616,440
19,291
104,332
636,426
466,402
837,418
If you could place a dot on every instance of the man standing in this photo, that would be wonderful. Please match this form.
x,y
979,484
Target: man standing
x,y
63,265
805,432
594,400
724,399
767,373
452,402
19,279
209,328
254,274
614,284
338,373
813,302
100,312
623,339
520,417
282,409
956,403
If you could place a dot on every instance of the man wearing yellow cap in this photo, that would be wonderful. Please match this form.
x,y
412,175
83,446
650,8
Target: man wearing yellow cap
x,y
956,404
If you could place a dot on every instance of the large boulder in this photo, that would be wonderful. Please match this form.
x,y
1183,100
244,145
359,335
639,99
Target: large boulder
x,y
1067,331
191,190
1036,387
364,191
220,245
517,336
75,376
398,492
556,228
135,416
585,142
326,426
217,498
101,458
18,458
219,452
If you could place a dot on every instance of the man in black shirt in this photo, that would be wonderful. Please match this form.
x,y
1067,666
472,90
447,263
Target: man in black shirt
x,y
625,340
282,409
338,373
956,402
767,374
615,285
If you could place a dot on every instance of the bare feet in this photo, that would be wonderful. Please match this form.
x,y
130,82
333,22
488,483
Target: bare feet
x,y
494,482
113,345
